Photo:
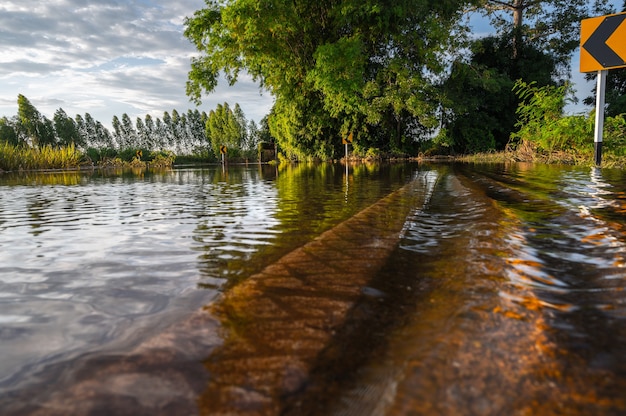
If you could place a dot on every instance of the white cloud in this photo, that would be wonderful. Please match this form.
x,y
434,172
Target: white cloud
x,y
105,58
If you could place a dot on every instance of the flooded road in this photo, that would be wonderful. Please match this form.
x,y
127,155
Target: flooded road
x,y
392,290
516,302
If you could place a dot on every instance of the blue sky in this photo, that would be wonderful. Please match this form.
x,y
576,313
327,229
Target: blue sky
x,y
112,57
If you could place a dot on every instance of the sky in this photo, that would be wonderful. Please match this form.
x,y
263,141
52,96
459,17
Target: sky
x,y
106,58
112,57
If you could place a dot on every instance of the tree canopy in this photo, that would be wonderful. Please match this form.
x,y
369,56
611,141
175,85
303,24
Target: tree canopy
x,y
333,66
552,26
373,67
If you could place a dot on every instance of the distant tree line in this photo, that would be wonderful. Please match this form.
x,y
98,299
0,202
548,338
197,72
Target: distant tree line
x,y
191,133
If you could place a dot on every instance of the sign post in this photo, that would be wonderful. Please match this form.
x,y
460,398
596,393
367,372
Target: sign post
x,y
223,151
599,128
602,47
346,141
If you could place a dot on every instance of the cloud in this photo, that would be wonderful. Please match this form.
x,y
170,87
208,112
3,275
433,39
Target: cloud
x,y
105,58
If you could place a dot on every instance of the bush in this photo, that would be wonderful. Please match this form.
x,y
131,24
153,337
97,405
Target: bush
x,y
542,123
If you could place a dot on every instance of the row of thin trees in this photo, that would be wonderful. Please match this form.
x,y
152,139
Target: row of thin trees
x,y
190,133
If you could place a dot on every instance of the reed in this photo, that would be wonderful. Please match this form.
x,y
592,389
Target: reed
x,y
15,158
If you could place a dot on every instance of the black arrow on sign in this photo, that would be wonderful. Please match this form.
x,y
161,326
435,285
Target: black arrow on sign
x,y
596,44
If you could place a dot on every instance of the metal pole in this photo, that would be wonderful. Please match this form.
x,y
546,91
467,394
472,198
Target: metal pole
x,y
600,93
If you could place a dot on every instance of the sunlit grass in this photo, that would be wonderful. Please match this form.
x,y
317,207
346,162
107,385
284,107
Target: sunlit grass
x,y
611,158
20,158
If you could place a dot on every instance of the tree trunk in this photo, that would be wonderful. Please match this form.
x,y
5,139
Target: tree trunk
x,y
518,9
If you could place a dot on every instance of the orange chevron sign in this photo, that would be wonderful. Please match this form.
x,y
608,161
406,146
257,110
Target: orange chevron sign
x,y
603,43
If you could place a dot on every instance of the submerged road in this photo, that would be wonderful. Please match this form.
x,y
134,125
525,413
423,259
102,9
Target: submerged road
x,y
466,292
253,349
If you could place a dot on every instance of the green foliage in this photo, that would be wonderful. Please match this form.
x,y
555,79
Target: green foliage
x,y
333,66
615,92
614,141
8,133
478,102
99,155
181,132
46,157
551,26
541,120
66,129
32,127
162,159
226,127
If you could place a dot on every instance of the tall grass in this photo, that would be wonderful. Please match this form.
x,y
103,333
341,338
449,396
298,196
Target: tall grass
x,y
15,158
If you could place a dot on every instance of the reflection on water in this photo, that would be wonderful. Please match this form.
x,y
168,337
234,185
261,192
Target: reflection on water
x,y
501,292
90,261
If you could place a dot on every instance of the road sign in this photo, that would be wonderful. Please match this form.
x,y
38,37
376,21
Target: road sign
x,y
603,43
347,140
223,149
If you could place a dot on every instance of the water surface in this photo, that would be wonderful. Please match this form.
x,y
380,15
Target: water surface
x,y
480,290
90,261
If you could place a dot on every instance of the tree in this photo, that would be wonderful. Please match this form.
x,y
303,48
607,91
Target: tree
x,y
90,131
333,66
128,133
66,130
104,138
550,25
240,123
169,128
149,132
143,136
479,104
160,133
196,124
223,129
117,132
47,135
81,128
8,130
30,121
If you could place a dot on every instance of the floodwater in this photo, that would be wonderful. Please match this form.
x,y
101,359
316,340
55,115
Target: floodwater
x,y
401,289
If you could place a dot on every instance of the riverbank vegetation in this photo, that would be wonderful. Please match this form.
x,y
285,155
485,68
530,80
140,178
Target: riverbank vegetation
x,y
407,80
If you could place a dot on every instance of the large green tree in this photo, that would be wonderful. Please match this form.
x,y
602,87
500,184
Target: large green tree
x,y
333,66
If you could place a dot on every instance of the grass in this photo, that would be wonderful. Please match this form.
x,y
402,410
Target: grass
x,y
23,158
20,158
528,152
